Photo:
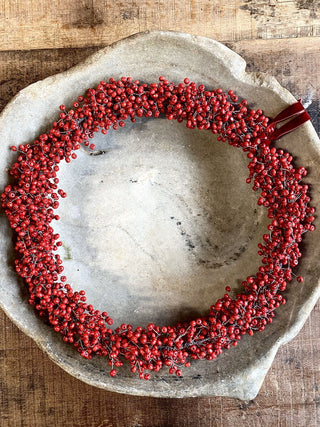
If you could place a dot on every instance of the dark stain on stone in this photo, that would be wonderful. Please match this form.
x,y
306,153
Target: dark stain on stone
x,y
188,238
197,377
171,379
209,264
211,245
190,244
97,152
238,254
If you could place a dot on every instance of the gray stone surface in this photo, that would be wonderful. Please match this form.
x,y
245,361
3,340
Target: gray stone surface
x,y
160,220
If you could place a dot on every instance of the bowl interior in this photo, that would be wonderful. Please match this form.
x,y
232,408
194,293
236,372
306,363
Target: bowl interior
x,y
158,220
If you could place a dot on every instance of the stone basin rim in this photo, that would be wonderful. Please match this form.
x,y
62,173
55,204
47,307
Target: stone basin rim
x,y
257,79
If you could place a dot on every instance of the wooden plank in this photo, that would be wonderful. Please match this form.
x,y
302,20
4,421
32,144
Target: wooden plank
x,y
294,63
41,24
18,69
35,392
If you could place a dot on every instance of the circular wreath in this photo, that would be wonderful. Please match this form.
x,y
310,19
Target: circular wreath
x,y
31,199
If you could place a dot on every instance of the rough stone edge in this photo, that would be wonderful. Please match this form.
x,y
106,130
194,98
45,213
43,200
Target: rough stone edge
x,y
257,79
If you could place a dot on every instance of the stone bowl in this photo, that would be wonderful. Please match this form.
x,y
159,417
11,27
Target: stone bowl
x,y
159,219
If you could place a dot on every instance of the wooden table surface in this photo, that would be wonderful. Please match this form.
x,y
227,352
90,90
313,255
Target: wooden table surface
x,y
40,38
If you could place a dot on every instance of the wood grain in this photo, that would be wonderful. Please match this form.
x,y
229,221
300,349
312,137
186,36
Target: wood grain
x,y
40,24
40,38
35,392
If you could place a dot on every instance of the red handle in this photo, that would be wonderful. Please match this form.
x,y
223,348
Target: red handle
x,y
290,126
295,110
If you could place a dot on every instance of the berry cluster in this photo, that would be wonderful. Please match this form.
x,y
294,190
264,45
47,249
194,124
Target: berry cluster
x,y
31,200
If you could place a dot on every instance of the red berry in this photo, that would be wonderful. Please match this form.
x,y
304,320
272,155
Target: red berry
x,y
29,203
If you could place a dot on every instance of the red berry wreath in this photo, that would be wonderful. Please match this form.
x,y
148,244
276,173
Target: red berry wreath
x,y
31,200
